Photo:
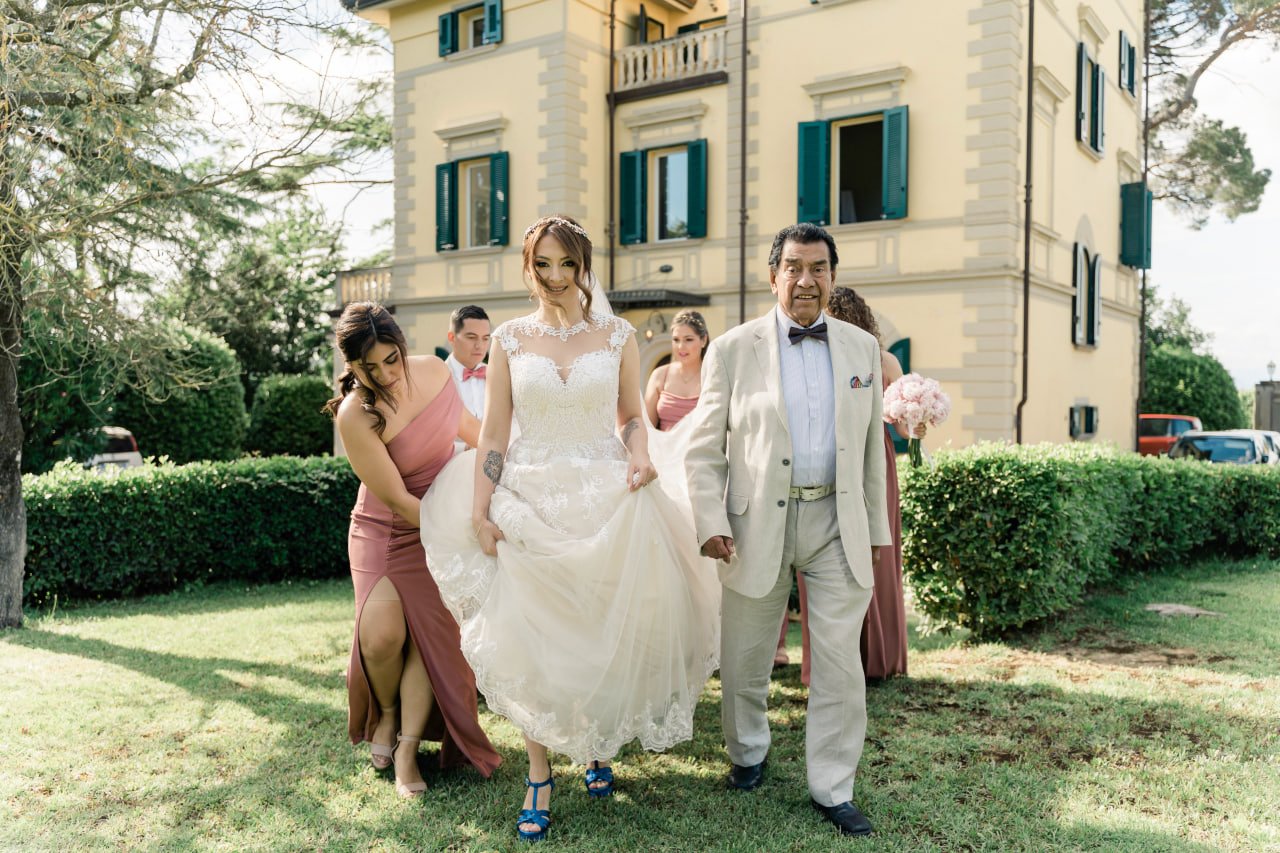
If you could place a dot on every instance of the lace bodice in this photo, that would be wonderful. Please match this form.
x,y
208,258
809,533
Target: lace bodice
x,y
564,386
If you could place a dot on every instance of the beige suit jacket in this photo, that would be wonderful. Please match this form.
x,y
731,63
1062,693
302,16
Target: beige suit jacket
x,y
739,458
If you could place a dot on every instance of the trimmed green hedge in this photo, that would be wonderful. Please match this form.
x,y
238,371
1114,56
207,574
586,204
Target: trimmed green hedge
x,y
1179,380
996,537
286,417
161,528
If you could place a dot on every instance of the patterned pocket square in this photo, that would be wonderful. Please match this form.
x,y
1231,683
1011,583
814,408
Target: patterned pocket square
x,y
858,382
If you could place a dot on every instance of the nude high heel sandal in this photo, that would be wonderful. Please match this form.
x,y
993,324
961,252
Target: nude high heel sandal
x,y
409,790
381,757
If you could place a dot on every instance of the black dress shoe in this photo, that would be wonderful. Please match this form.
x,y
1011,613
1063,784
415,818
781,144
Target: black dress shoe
x,y
846,816
746,778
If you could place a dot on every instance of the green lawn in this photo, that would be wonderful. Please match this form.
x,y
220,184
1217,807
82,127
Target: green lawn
x,y
216,720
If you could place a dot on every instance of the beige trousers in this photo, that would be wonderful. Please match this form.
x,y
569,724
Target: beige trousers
x,y
837,713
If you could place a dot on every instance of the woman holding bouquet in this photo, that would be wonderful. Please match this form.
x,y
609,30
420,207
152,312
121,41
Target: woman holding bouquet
x,y
884,631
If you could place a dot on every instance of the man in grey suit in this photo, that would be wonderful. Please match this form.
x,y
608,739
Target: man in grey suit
x,y
786,473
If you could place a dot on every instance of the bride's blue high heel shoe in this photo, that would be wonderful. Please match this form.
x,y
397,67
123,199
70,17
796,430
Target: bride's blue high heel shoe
x,y
540,818
597,774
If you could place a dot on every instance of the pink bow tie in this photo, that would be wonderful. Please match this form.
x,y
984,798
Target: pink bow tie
x,y
476,372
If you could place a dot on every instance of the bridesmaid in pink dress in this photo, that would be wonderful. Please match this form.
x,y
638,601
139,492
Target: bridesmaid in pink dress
x,y
674,388
884,631
407,680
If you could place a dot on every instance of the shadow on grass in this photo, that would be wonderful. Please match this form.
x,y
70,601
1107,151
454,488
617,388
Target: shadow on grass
x,y
214,597
1113,625
948,765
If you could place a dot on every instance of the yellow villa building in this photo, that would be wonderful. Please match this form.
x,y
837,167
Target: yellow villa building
x,y
901,127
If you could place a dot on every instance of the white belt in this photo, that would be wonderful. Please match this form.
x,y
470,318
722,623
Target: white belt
x,y
810,493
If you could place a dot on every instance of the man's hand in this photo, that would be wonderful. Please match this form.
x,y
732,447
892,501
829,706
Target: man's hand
x,y
718,548
875,553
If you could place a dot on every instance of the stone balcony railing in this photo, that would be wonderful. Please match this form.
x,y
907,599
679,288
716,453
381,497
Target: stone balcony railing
x,y
672,60
370,284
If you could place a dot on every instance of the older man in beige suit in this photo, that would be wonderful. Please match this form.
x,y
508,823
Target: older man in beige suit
x,y
786,473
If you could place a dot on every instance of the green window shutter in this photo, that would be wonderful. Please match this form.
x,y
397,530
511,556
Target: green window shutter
x,y
1082,93
814,162
1080,283
1083,421
448,33
446,207
492,21
1124,62
894,165
901,350
1146,237
1095,300
1135,225
1097,134
631,197
498,203
1132,82
697,215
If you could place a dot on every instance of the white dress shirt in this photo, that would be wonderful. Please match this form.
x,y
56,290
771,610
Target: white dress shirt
x,y
809,390
471,391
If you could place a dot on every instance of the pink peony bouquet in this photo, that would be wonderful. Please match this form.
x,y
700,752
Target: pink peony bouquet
x,y
914,400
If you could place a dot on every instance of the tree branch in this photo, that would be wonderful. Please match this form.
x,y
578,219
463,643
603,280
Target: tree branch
x,y
1242,29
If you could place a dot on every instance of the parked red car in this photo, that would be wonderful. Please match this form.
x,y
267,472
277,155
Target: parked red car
x,y
1157,433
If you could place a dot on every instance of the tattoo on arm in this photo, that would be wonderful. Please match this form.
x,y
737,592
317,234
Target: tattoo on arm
x,y
493,466
627,429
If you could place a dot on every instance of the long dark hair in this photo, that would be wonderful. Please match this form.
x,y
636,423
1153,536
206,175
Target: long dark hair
x,y
362,326
573,237
845,304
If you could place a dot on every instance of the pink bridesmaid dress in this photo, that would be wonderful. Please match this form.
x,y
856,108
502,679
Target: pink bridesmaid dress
x,y
380,545
671,409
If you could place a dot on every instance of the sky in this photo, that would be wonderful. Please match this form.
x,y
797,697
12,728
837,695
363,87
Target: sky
x,y
1228,273
307,68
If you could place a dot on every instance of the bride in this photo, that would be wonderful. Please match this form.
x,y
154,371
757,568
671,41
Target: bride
x,y
585,610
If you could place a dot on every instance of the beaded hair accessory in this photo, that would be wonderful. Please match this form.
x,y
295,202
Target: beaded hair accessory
x,y
558,220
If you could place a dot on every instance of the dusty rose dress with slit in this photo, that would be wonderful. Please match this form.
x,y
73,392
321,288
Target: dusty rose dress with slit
x,y
884,631
381,545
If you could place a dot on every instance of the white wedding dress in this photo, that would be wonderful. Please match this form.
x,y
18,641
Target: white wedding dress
x,y
598,622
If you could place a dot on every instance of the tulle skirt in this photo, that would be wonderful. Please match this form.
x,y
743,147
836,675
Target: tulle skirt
x,y
598,622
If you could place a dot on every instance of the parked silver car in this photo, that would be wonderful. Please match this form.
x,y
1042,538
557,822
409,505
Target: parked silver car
x,y
121,452
1270,443
1233,447
1273,438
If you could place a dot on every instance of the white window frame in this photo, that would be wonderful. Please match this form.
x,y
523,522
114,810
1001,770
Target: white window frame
x,y
466,210
1086,331
654,190
467,20
833,152
1077,419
